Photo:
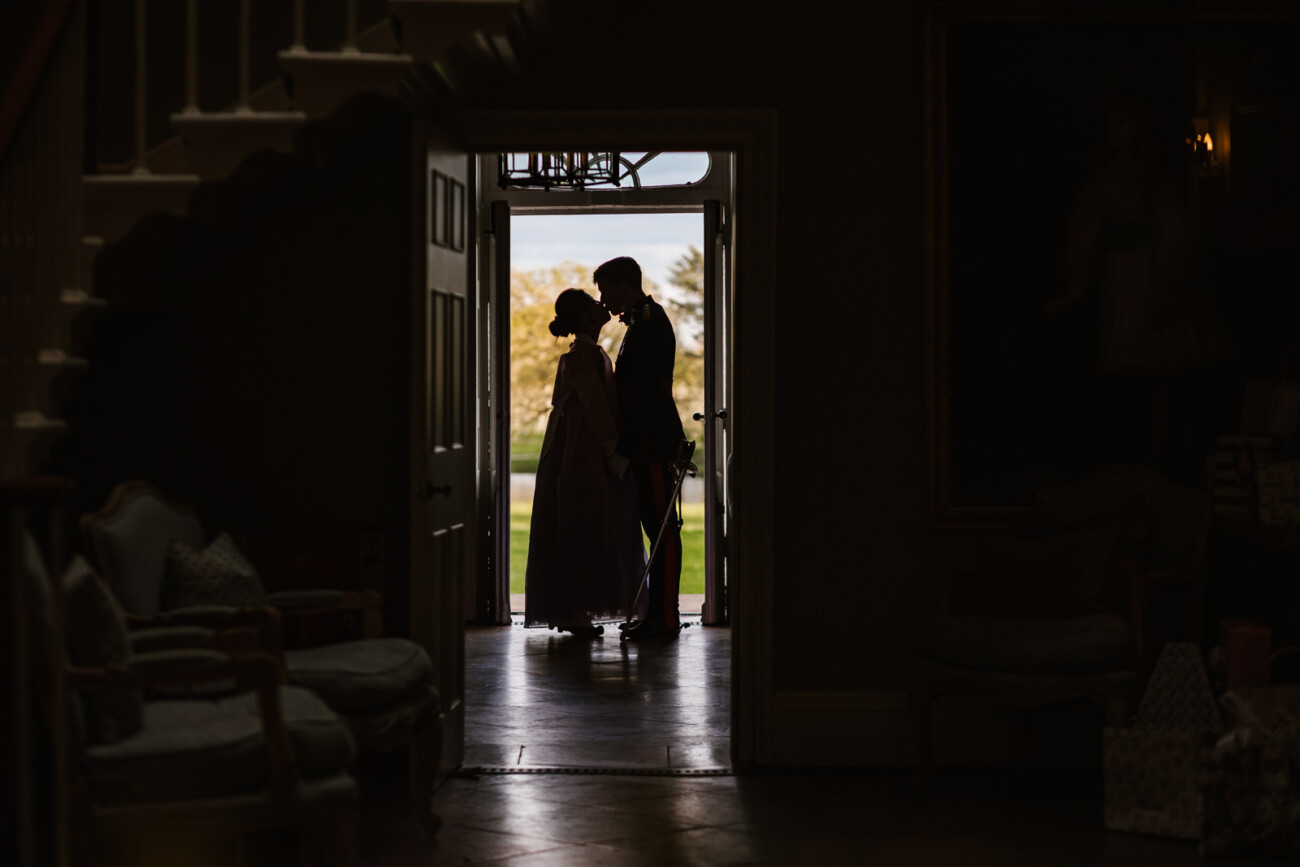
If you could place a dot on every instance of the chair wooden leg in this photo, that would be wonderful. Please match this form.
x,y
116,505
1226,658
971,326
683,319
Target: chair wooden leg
x,y
331,842
311,844
342,840
428,755
923,735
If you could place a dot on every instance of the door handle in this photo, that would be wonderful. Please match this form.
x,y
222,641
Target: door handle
x,y
720,414
432,489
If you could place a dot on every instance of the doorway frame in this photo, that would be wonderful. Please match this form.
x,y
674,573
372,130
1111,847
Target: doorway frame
x,y
751,135
717,184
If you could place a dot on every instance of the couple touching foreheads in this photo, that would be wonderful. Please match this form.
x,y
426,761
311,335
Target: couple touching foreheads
x,y
607,468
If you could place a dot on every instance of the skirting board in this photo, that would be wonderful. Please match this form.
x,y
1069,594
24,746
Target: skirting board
x,y
873,729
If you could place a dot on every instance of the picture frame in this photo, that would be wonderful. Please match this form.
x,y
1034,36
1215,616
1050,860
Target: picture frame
x,y
1026,382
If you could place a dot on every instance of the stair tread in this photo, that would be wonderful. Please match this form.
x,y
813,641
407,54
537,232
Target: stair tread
x,y
36,421
81,298
351,57
142,179
237,117
59,358
434,4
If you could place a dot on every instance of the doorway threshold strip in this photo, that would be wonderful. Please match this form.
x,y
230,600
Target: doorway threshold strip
x,y
517,619
582,771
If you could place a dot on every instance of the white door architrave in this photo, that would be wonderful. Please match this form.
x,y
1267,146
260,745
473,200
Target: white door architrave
x,y
751,136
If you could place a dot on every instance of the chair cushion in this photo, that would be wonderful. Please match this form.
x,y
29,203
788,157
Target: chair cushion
x,y
194,748
357,675
393,725
217,575
333,793
155,638
136,539
95,635
1071,645
1063,576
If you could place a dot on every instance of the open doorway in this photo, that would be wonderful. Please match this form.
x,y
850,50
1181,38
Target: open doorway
x,y
535,697
553,252
452,292
537,240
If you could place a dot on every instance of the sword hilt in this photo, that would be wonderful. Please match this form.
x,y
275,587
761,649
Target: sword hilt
x,y
685,451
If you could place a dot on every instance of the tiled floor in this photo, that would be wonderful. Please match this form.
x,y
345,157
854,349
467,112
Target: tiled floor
x,y
538,700
989,820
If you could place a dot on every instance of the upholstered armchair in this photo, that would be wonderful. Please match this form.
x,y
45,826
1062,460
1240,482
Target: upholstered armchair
x,y
154,555
130,538
143,775
1060,611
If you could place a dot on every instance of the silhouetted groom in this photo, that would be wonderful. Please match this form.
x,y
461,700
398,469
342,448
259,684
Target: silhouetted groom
x,y
650,430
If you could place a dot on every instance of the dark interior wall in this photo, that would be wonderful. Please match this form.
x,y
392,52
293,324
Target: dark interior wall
x,y
854,566
849,549
18,21
254,360
850,553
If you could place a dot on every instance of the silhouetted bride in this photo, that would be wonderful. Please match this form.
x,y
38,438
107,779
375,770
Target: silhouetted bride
x,y
585,553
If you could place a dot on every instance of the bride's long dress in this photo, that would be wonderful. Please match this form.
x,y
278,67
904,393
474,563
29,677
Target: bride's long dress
x,y
585,553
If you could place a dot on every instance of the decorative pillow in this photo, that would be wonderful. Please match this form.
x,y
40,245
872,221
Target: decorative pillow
x,y
95,635
217,575
1063,576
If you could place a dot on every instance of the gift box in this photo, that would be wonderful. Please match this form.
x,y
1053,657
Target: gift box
x,y
1234,473
1154,782
1252,791
1279,493
1252,805
1155,770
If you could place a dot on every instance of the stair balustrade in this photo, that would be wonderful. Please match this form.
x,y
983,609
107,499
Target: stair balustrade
x,y
60,115
42,281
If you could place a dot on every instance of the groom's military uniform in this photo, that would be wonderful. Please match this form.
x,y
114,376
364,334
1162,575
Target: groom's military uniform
x,y
651,432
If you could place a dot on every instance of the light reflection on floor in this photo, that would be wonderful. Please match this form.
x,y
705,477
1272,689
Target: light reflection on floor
x,y
537,698
593,752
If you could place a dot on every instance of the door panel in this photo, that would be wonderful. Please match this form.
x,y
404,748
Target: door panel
x,y
444,499
717,426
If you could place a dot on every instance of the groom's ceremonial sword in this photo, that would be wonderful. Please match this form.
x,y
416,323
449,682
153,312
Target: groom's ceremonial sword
x,y
682,464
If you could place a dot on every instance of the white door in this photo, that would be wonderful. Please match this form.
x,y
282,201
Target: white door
x,y
717,391
445,543
492,591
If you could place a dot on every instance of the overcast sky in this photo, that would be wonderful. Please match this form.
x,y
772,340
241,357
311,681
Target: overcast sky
x,y
654,240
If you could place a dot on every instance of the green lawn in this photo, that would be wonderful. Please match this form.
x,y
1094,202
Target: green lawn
x,y
523,453
692,546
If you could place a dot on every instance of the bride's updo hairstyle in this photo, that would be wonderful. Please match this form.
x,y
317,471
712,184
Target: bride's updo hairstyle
x,y
568,312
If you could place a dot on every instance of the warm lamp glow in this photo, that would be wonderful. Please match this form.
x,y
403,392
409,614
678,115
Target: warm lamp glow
x,y
1201,153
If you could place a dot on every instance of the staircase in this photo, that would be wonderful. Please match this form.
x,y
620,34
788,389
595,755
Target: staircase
x,y
62,205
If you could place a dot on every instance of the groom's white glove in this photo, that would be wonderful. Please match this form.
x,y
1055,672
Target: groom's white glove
x,y
617,465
